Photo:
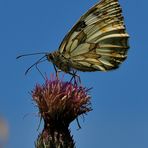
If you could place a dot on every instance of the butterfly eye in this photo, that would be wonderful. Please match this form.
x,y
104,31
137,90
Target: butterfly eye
x,y
50,57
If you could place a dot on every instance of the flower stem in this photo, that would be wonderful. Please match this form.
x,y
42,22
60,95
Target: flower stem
x,y
55,138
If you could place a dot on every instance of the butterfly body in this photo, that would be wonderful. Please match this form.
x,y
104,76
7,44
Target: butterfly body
x,y
60,61
97,42
67,64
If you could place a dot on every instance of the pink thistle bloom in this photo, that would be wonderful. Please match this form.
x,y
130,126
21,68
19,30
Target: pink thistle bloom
x,y
61,101
59,104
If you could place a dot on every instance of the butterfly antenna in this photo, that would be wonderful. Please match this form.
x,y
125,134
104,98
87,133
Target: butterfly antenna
x,y
30,54
38,61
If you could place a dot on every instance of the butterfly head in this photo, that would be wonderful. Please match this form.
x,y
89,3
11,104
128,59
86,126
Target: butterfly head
x,y
52,57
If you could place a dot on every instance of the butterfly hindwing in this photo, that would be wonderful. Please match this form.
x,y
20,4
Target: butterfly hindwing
x,y
99,40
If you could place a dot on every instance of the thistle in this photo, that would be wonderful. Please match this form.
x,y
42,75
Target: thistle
x,y
59,104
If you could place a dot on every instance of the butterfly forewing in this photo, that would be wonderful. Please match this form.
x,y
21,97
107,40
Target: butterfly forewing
x,y
98,41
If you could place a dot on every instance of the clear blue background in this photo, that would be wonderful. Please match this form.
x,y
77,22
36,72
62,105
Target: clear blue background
x,y
119,98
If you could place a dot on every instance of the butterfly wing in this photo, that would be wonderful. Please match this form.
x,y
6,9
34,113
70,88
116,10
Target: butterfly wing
x,y
98,41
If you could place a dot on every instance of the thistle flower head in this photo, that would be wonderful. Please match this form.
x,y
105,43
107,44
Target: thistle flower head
x,y
61,102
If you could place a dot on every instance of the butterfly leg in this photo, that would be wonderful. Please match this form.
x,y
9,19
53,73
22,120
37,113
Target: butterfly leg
x,y
57,71
75,77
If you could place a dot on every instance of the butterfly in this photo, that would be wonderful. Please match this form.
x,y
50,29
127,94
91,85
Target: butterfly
x,y
97,42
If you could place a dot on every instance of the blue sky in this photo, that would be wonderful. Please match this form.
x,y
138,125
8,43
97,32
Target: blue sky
x,y
119,98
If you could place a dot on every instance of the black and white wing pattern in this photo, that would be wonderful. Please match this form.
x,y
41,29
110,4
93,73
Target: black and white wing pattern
x,y
98,41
